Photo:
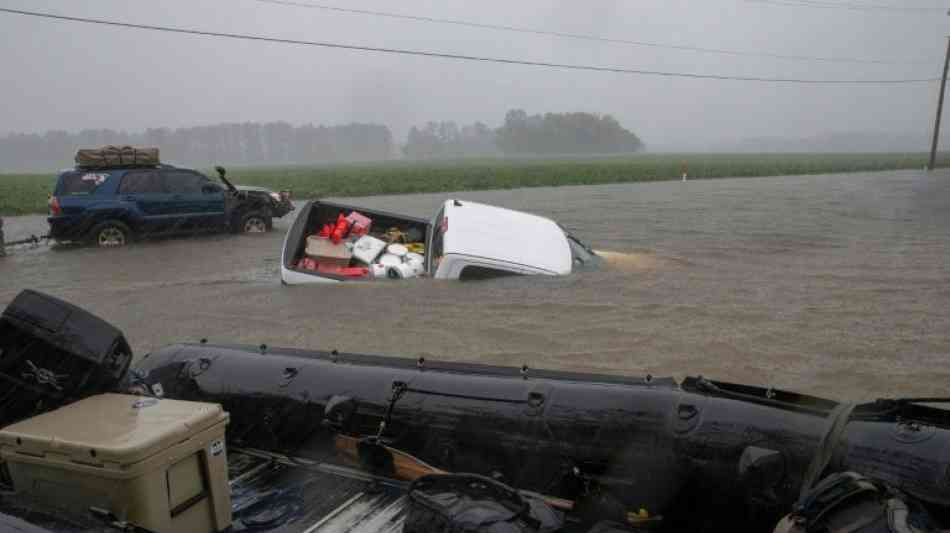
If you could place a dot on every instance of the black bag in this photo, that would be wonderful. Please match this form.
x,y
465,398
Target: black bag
x,y
53,353
468,503
849,502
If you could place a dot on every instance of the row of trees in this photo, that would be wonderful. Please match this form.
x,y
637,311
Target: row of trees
x,y
276,143
446,140
244,144
521,134
565,133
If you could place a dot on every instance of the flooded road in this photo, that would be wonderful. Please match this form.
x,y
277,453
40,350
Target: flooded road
x,y
837,285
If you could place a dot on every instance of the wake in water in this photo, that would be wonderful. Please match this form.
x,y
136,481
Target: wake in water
x,y
637,261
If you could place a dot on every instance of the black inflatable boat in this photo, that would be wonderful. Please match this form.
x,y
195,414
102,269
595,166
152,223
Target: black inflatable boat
x,y
328,441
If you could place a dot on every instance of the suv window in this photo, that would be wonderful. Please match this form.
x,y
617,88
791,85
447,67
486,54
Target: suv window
x,y
80,182
141,182
183,181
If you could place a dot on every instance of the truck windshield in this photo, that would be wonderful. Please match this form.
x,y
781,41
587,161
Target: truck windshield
x,y
581,254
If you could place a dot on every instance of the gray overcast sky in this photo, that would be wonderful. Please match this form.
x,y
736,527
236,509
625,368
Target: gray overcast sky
x,y
62,75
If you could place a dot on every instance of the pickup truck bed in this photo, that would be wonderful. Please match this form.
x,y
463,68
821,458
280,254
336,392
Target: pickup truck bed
x,y
270,493
314,215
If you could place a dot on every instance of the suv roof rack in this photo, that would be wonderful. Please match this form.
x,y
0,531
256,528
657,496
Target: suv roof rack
x,y
117,167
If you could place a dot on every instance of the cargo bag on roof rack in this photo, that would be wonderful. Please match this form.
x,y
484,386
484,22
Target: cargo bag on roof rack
x,y
116,156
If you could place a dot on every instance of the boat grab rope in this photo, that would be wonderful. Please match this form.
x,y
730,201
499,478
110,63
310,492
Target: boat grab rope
x,y
837,421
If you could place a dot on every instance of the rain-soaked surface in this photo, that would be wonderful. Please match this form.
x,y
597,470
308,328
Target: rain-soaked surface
x,y
835,285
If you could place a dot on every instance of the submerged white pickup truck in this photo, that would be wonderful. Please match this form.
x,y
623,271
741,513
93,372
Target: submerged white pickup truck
x,y
465,240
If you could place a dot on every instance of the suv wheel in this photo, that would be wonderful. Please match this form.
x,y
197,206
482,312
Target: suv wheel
x,y
111,234
255,222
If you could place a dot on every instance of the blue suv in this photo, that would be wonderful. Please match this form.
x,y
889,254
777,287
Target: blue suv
x,y
113,206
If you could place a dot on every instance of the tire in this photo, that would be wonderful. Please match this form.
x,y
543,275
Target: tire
x,y
255,222
110,234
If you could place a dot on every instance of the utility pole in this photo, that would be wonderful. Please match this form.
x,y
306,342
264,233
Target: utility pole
x,y
943,86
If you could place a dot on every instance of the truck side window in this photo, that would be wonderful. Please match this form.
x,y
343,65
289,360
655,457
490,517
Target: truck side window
x,y
473,273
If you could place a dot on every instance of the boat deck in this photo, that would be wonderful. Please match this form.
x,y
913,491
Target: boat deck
x,y
270,493
280,494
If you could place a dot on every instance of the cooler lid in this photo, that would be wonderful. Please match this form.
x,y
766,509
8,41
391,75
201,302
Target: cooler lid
x,y
111,428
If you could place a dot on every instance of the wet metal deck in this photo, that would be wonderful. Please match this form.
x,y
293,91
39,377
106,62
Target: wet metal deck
x,y
278,494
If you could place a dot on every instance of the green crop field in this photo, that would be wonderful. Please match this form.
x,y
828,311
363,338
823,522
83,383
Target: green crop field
x,y
22,194
27,193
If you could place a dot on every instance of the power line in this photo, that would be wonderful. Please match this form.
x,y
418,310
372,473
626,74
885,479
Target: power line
x,y
577,36
443,55
853,6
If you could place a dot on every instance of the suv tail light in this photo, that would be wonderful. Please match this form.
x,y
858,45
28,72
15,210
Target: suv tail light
x,y
54,207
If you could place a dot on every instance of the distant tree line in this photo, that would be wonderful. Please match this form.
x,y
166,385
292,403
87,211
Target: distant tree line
x,y
250,143
564,133
279,143
446,140
521,134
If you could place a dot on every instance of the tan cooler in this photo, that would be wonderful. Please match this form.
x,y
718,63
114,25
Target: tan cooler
x,y
158,464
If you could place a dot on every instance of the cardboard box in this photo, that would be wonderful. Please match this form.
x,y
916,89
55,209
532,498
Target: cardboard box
x,y
325,251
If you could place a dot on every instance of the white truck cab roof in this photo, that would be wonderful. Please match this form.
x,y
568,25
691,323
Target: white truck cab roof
x,y
497,235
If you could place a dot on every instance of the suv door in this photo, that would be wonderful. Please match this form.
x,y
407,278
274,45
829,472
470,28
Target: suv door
x,y
143,189
195,199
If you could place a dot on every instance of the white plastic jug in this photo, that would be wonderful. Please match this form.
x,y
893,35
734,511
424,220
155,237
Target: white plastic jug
x,y
398,250
401,271
390,260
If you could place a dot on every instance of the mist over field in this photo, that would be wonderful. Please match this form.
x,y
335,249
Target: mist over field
x,y
68,77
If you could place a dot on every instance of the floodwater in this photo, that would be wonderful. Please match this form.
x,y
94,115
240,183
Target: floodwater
x,y
836,285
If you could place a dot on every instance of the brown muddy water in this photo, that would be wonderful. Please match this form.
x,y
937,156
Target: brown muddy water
x,y
836,285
